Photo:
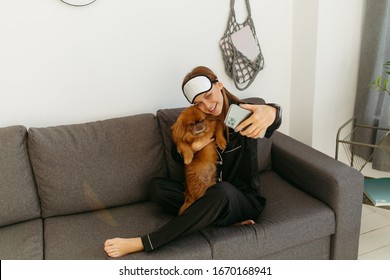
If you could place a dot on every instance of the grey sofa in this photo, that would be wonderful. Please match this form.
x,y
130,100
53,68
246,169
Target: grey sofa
x,y
64,190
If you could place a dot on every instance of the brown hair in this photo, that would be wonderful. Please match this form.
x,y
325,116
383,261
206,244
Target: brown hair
x,y
228,98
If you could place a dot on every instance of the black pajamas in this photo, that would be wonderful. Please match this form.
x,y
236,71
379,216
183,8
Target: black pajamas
x,y
223,204
235,198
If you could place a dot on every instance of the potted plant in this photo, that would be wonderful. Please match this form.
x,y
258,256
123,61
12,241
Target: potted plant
x,y
379,84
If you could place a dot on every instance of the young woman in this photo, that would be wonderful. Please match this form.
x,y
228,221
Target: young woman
x,y
236,198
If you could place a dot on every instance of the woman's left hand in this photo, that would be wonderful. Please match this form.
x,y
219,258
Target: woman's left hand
x,y
256,125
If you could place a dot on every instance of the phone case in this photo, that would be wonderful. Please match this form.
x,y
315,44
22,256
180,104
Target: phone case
x,y
236,115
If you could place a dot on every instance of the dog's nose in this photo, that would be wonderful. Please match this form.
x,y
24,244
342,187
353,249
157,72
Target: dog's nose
x,y
199,128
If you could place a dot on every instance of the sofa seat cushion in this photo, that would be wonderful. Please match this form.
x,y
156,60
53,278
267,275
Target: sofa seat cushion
x,y
318,249
290,218
97,165
18,195
81,236
23,241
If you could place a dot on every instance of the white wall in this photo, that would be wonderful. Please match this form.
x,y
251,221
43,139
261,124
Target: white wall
x,y
338,53
304,52
60,64
325,61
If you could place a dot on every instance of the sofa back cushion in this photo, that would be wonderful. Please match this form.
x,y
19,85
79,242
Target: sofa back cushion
x,y
166,118
18,195
84,167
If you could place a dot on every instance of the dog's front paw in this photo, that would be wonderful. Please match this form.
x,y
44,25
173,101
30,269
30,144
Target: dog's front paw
x,y
221,143
188,158
183,208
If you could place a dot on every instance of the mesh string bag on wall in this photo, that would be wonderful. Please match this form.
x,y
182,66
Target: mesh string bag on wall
x,y
241,51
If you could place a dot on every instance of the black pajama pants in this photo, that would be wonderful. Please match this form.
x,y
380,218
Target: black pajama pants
x,y
223,204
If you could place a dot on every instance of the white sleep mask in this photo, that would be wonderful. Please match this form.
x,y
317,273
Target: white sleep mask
x,y
195,86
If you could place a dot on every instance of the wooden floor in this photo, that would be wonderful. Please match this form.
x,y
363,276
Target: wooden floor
x,y
375,228
374,234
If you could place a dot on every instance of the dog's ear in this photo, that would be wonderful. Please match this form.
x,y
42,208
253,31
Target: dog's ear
x,y
184,148
177,131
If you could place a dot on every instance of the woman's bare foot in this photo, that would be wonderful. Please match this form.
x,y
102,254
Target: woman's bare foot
x,y
118,247
246,222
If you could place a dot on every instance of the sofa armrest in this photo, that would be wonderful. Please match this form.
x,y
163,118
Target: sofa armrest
x,y
334,183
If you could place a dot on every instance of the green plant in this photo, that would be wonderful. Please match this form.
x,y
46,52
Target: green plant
x,y
381,84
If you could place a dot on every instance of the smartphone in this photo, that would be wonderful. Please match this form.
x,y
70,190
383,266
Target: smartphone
x,y
236,115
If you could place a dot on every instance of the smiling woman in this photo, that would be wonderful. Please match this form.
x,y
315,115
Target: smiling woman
x,y
78,2
222,184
